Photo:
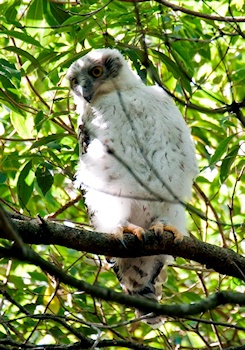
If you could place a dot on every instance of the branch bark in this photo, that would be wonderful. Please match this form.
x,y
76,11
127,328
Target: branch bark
x,y
44,229
36,231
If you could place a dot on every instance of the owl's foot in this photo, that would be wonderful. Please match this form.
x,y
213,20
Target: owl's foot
x,y
160,227
129,228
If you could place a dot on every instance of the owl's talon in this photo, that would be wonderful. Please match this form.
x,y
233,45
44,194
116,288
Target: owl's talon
x,y
159,229
144,237
109,259
155,228
130,228
119,235
135,230
121,240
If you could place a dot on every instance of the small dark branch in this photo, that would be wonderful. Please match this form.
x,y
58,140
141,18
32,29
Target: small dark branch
x,y
5,293
181,310
88,14
211,322
209,204
86,343
242,347
7,229
236,109
193,13
65,207
222,260
240,117
124,344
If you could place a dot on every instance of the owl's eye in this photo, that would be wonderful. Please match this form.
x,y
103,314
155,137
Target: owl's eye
x,y
74,82
96,71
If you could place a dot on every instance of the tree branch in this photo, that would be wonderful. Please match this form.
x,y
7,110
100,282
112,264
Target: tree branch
x,y
180,310
86,343
35,231
193,13
26,254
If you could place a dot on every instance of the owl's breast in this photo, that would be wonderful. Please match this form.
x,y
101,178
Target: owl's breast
x,y
136,144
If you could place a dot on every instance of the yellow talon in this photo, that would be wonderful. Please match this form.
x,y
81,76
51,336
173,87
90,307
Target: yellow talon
x,y
159,229
129,228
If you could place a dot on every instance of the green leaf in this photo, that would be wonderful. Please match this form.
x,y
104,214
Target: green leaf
x,y
220,150
25,184
3,177
46,139
10,14
73,20
69,61
27,55
54,13
174,68
21,36
7,101
23,124
227,163
35,12
44,178
9,71
17,282
38,120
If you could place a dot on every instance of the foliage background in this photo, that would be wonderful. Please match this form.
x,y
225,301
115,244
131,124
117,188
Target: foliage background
x,y
197,53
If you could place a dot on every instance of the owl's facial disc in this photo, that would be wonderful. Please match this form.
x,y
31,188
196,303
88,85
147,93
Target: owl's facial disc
x,y
89,76
92,82
82,85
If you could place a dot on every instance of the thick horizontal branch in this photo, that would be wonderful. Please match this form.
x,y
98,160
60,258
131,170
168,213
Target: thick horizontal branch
x,y
88,345
36,231
79,345
22,252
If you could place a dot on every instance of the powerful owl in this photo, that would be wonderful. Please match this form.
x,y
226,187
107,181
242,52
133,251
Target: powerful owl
x,y
137,161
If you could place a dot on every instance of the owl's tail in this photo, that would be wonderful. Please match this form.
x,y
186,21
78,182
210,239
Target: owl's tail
x,y
149,292
142,284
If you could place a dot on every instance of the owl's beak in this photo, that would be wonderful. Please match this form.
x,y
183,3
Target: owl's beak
x,y
87,92
87,97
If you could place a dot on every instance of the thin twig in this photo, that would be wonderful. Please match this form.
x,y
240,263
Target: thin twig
x,y
194,13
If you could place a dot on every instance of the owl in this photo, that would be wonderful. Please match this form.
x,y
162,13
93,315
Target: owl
x,y
137,162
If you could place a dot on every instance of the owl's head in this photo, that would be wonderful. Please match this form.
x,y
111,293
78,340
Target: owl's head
x,y
100,72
